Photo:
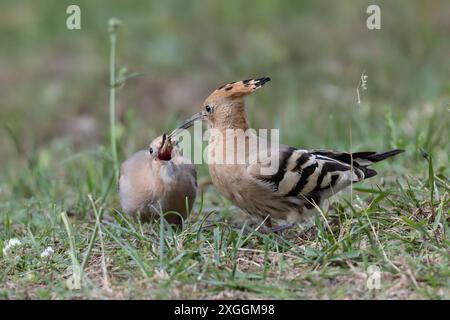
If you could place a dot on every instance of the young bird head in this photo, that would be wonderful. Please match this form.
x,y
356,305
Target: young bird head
x,y
161,149
225,108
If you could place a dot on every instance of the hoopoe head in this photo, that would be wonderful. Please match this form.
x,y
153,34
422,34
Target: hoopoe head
x,y
224,108
161,148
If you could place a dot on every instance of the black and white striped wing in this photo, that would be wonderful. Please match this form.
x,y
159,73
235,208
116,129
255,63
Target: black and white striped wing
x,y
303,174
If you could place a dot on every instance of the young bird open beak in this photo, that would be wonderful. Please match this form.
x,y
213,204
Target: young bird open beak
x,y
165,151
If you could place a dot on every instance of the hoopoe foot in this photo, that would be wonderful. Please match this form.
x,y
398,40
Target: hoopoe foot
x,y
264,229
258,224
275,229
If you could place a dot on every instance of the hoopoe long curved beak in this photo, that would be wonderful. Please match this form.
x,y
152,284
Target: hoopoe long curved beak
x,y
187,123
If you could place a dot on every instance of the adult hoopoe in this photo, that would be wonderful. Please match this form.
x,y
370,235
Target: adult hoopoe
x,y
157,179
299,180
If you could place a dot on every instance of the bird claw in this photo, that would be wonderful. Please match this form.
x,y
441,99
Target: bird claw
x,y
266,229
280,228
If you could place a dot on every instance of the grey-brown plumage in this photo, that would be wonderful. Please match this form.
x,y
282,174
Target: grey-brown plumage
x,y
299,179
157,180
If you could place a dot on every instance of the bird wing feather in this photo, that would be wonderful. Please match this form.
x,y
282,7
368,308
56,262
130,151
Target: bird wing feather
x,y
303,173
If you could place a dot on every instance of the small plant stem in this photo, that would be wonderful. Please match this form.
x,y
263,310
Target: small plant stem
x,y
68,227
98,230
76,267
112,94
98,217
161,241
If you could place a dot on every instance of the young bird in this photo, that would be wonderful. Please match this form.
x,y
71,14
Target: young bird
x,y
155,180
300,178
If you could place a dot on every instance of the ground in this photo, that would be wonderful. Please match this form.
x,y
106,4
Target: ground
x,y
387,238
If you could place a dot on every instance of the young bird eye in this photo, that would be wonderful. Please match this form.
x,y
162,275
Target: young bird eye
x,y
208,108
150,150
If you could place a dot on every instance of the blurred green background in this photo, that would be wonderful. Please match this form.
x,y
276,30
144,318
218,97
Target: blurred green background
x,y
55,144
54,81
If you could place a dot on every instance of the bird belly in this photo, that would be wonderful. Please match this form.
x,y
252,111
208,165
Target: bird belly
x,y
232,182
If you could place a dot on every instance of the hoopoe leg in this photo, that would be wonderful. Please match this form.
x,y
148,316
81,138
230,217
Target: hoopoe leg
x,y
268,226
279,228
268,222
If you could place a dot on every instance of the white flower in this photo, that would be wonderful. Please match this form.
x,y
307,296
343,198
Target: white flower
x,y
14,242
48,252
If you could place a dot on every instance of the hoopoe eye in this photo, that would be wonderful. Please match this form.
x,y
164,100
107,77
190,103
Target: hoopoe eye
x,y
208,108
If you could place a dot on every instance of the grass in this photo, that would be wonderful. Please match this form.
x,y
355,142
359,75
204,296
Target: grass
x,y
400,226
58,183
112,26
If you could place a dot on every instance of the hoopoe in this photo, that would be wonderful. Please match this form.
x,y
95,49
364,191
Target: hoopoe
x,y
157,180
301,178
